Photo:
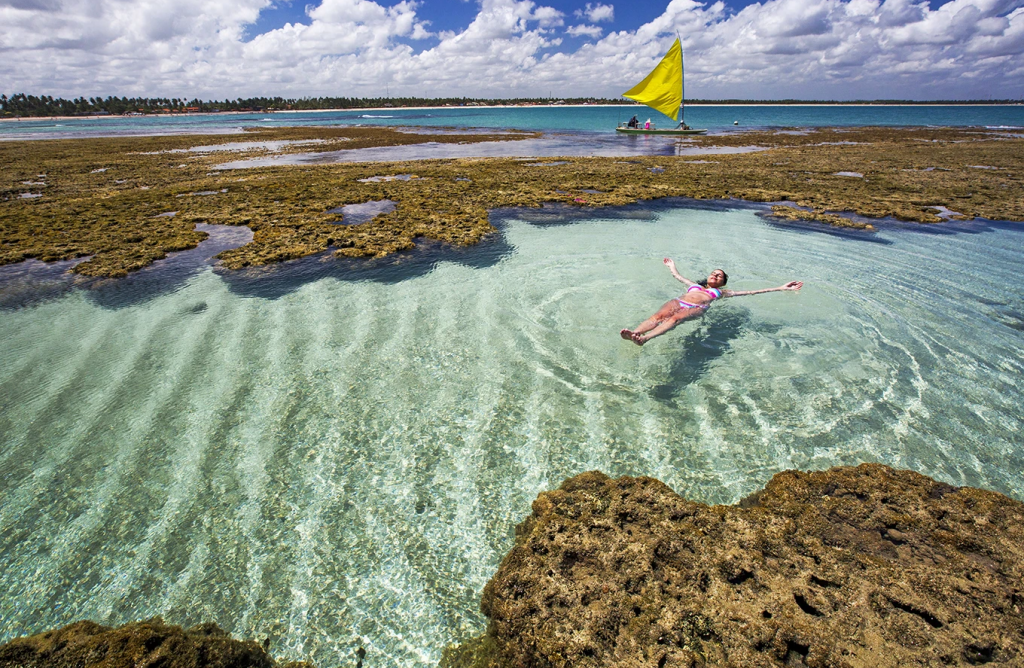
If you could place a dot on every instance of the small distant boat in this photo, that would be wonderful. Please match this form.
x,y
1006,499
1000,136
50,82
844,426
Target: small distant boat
x,y
661,90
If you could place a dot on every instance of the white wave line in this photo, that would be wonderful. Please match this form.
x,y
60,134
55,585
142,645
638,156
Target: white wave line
x,y
45,468
59,376
260,440
186,463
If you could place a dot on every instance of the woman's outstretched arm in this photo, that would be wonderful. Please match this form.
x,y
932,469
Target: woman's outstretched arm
x,y
672,267
792,285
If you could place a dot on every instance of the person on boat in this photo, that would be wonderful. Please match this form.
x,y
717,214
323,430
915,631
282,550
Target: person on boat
x,y
647,125
691,304
633,122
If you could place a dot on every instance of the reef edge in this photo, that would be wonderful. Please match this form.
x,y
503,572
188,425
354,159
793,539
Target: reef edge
x,y
853,566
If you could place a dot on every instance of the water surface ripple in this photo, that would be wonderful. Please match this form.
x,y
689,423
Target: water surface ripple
x,y
339,462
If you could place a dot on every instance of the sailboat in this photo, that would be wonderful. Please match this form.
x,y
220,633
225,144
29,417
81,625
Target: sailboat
x,y
661,90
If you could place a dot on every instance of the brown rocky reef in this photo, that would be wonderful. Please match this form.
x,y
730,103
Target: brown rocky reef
x,y
125,202
150,643
857,567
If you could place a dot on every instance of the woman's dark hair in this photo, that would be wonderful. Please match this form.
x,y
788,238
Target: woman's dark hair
x,y
725,279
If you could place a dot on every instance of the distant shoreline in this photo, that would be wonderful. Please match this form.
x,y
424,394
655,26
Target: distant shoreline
x,y
13,119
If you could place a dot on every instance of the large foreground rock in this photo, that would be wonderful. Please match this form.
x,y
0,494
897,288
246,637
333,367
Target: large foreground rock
x,y
150,644
858,567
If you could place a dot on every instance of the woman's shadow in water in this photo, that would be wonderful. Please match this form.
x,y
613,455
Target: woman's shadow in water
x,y
701,347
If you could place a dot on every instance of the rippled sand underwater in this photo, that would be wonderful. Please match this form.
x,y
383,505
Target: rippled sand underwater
x,y
340,463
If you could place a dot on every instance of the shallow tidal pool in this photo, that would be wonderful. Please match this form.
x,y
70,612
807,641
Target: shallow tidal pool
x,y
335,459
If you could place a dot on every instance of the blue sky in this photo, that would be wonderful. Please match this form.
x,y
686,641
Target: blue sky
x,y
772,49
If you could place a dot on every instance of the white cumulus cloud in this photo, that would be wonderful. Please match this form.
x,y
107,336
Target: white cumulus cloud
x,y
596,12
584,30
837,49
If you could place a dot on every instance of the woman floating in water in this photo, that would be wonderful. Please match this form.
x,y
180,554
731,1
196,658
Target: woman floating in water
x,y
691,304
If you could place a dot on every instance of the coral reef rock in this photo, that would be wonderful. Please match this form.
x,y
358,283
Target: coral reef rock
x,y
850,567
150,643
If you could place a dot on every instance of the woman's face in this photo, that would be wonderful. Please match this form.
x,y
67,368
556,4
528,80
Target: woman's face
x,y
716,279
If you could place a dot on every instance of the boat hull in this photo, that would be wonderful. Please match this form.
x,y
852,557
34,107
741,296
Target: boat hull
x,y
641,131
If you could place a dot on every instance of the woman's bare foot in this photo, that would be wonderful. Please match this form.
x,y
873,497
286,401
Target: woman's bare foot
x,y
626,334
639,339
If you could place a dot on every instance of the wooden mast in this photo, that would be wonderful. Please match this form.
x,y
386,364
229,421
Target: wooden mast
x,y
682,82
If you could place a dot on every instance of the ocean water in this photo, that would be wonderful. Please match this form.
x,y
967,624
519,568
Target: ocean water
x,y
336,457
586,119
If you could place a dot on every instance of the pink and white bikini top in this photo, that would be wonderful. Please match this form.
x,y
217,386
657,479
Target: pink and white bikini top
x,y
714,293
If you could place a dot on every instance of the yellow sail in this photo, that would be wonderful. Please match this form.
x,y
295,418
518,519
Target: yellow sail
x,y
663,88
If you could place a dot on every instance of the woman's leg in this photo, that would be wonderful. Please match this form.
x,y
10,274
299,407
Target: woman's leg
x,y
669,310
684,314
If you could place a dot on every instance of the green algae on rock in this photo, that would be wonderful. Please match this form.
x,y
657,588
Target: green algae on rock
x,y
105,198
147,643
865,566
782,212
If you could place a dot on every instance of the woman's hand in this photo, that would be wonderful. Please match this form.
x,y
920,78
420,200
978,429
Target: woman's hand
x,y
675,274
792,285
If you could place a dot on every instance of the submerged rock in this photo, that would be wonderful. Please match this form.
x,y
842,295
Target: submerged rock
x,y
148,643
865,566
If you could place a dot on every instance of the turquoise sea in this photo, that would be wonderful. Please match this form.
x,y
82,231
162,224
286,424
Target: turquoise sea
x,y
585,119
334,454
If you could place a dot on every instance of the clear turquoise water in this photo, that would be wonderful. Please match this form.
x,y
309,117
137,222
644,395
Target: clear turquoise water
x,y
717,118
338,459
